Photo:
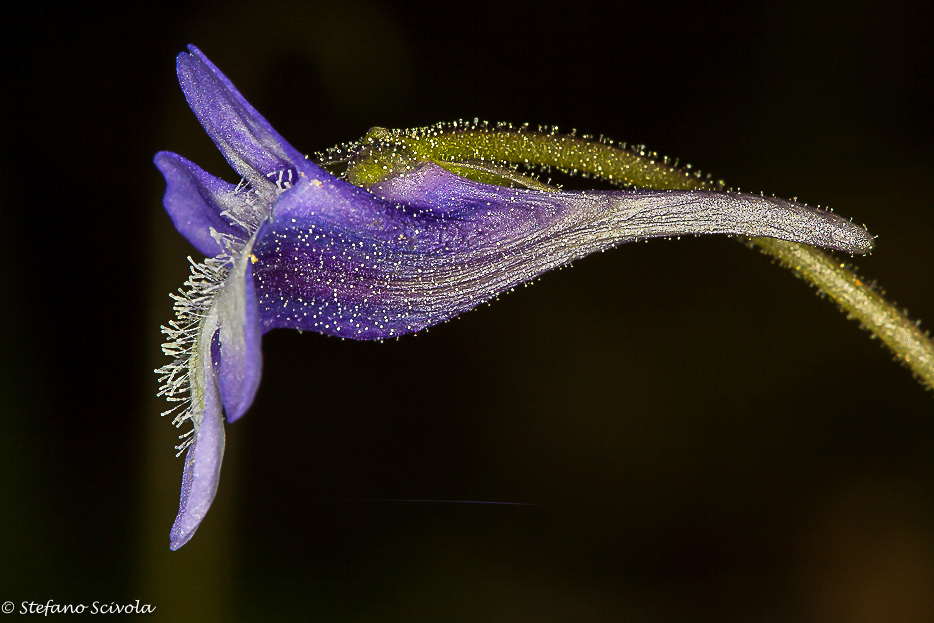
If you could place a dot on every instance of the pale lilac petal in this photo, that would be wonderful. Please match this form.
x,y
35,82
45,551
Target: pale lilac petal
x,y
194,200
241,357
202,464
619,216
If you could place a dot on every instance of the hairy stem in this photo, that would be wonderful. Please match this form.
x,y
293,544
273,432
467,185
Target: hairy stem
x,y
904,337
622,167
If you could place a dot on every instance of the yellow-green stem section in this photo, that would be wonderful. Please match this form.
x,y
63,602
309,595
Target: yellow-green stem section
x,y
903,336
568,153
906,339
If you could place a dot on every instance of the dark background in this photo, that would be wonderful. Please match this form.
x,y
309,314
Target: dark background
x,y
704,438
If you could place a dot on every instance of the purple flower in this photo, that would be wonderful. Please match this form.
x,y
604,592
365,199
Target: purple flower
x,y
294,246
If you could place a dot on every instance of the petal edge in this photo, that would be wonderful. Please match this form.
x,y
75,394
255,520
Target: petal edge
x,y
241,357
202,464
194,200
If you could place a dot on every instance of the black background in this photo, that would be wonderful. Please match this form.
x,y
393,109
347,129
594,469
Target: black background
x,y
703,438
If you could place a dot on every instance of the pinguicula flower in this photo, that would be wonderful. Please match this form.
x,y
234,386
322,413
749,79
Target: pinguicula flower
x,y
293,245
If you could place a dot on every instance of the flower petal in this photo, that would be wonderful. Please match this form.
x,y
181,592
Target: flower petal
x,y
246,139
629,214
203,461
431,245
241,357
195,200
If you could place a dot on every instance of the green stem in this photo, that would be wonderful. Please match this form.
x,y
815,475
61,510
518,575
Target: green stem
x,y
904,337
619,166
453,143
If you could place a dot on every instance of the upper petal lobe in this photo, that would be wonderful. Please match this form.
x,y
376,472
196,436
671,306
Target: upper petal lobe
x,y
195,200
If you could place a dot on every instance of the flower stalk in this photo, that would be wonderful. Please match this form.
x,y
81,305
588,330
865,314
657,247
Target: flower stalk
x,y
905,338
